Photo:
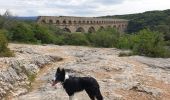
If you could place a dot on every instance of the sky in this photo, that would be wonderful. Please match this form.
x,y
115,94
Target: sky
x,y
86,8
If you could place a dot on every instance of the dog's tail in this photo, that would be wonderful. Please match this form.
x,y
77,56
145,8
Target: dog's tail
x,y
99,95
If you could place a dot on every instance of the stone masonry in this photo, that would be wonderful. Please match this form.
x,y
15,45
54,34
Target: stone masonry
x,y
83,24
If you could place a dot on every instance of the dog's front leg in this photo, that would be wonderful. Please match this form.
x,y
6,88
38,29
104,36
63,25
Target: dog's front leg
x,y
71,97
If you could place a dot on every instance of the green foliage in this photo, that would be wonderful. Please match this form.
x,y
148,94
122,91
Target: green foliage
x,y
125,42
42,33
104,38
167,36
4,51
165,29
28,32
6,33
3,42
2,21
168,43
59,40
75,39
150,44
146,43
31,77
154,20
22,32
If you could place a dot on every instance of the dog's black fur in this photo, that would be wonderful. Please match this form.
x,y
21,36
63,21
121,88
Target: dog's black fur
x,y
77,84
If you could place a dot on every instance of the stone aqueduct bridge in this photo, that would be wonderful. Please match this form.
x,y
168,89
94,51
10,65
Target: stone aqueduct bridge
x,y
83,24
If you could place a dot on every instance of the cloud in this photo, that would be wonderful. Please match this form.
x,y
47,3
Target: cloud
x,y
80,7
108,2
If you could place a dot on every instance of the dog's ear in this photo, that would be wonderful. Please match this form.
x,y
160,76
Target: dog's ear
x,y
63,71
58,70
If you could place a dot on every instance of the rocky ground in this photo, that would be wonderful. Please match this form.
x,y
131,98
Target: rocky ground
x,y
120,78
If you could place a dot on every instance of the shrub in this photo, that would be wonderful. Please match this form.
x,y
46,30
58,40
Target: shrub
x,y
22,33
4,51
3,42
59,40
167,36
6,33
125,42
146,43
150,44
168,43
104,38
75,39
43,34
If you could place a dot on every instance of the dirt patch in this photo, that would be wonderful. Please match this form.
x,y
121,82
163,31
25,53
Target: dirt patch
x,y
135,95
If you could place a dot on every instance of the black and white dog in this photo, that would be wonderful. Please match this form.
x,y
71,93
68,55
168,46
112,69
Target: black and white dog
x,y
77,84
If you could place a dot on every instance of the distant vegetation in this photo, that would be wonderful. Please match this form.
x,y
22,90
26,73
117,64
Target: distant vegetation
x,y
147,40
153,20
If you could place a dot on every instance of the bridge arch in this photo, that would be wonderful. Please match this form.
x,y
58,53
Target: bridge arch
x,y
67,30
70,22
123,26
114,26
57,22
91,29
74,22
101,28
79,22
50,21
91,22
80,29
64,21
43,21
119,27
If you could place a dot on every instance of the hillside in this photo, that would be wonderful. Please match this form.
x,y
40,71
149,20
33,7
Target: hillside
x,y
155,20
120,78
30,18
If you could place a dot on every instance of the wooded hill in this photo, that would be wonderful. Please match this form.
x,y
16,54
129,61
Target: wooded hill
x,y
154,20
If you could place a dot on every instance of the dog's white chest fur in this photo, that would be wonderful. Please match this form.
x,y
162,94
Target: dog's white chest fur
x,y
66,76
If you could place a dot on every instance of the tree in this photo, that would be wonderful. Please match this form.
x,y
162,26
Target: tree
x,y
104,38
22,32
150,43
8,13
4,50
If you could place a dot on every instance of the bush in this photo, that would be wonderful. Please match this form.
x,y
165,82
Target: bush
x,y
145,43
4,51
150,43
6,33
22,33
104,38
167,36
3,42
125,42
168,43
43,34
59,40
75,39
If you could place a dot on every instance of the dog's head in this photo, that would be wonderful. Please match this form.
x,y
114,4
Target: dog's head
x,y
59,76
